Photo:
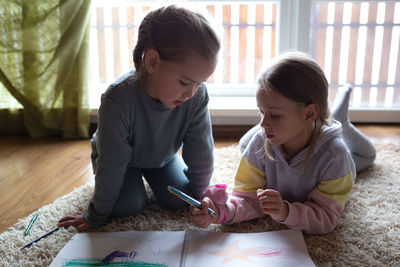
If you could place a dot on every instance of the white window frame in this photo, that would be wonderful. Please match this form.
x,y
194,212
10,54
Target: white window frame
x,y
292,34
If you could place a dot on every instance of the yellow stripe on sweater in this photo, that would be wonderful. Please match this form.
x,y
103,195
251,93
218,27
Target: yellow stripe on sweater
x,y
248,177
337,189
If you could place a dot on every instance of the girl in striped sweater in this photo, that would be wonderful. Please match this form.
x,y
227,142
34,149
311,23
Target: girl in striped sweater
x,y
296,166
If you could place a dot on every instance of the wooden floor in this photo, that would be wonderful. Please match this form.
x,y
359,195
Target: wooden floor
x,y
34,173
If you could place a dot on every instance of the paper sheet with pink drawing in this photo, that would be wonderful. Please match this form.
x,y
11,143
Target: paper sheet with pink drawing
x,y
279,248
185,248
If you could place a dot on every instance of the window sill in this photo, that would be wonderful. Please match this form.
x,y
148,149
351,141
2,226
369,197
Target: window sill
x,y
243,111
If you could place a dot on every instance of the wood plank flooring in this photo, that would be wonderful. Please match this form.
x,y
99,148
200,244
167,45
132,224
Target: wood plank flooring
x,y
34,173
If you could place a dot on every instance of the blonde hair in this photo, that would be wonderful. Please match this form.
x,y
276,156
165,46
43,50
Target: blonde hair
x,y
299,78
175,32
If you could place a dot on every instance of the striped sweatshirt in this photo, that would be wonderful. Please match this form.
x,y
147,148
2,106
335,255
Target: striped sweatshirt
x,y
316,193
135,130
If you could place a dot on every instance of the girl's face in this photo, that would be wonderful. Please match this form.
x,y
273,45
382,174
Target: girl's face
x,y
174,83
284,121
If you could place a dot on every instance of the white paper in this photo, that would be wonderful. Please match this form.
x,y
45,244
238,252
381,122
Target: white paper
x,y
190,249
157,248
279,248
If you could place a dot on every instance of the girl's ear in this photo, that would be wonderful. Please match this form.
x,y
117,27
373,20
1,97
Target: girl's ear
x,y
151,60
311,112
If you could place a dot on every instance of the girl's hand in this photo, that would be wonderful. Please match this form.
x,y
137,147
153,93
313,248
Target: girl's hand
x,y
76,220
201,217
272,204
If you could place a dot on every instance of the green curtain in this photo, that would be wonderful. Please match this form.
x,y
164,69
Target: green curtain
x,y
44,67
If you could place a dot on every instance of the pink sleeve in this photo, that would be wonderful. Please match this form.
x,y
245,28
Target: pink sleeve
x,y
240,206
318,215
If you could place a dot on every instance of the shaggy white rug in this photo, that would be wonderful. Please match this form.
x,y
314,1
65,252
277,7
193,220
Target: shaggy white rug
x,y
367,235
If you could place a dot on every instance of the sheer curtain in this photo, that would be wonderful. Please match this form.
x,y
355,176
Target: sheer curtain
x,y
44,67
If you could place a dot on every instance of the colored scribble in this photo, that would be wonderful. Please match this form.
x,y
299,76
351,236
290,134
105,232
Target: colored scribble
x,y
97,262
270,253
119,254
124,259
234,252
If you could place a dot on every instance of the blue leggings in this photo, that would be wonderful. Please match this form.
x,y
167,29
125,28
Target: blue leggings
x,y
132,198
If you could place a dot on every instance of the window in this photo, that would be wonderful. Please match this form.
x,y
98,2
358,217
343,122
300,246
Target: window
x,y
246,29
359,43
354,42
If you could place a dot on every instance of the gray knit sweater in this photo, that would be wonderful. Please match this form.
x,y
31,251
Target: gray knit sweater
x,y
135,130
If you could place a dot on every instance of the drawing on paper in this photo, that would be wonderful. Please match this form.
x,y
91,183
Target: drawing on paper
x,y
120,258
187,248
115,258
234,252
119,254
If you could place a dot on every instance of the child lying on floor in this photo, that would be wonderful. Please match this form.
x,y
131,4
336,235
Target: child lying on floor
x,y
296,167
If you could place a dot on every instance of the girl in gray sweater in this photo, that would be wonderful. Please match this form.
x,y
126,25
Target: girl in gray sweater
x,y
148,114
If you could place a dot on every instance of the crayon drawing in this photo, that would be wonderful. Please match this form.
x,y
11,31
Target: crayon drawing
x,y
115,258
185,248
279,248
234,252
130,248
119,254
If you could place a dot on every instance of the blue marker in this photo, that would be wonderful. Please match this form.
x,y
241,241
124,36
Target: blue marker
x,y
43,236
188,199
